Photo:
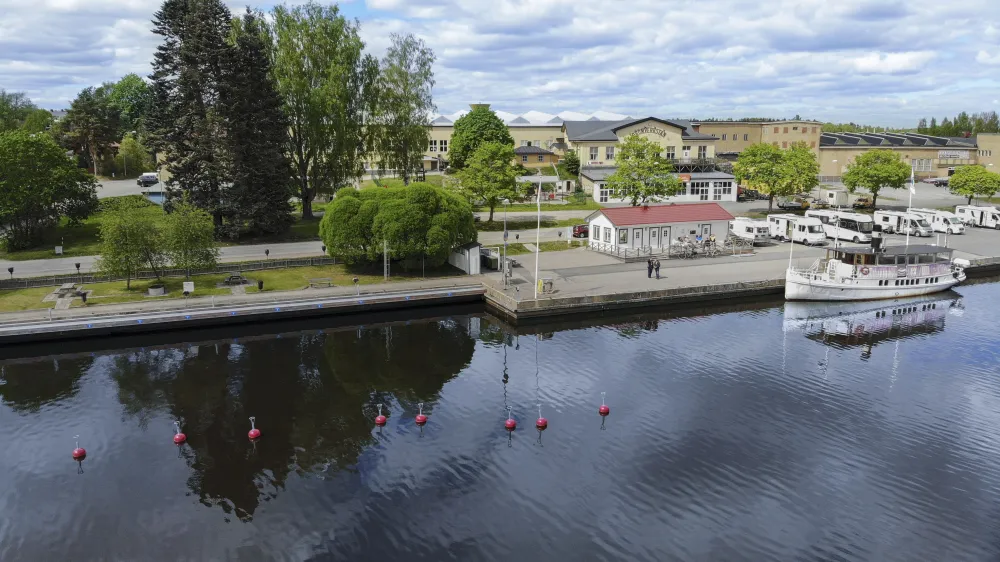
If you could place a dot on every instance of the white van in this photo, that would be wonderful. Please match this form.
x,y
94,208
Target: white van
x,y
941,221
805,230
755,230
976,215
901,222
844,225
836,197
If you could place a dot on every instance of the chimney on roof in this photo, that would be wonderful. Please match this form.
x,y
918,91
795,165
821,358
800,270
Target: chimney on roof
x,y
478,105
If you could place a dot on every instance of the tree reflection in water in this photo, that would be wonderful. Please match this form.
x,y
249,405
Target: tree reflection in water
x,y
26,387
313,396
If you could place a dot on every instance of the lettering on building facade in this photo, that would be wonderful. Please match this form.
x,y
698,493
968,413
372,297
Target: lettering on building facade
x,y
953,155
650,130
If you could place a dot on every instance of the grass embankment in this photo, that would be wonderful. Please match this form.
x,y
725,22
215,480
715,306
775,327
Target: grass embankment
x,y
518,248
291,279
521,224
84,239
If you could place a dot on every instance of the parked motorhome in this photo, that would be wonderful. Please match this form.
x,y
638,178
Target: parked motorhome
x,y
805,230
976,215
900,222
756,231
844,225
941,221
836,197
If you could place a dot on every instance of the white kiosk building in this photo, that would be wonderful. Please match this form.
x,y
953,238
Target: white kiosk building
x,y
655,227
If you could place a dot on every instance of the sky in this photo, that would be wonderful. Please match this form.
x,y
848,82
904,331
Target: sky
x,y
877,62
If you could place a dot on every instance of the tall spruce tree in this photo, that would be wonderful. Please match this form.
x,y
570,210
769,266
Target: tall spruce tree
x,y
186,125
258,196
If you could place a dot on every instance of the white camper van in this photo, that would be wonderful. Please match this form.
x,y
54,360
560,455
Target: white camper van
x,y
901,222
843,225
755,230
836,197
975,215
805,230
941,221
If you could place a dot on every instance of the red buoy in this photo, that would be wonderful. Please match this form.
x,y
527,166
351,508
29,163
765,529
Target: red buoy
x,y
421,418
380,419
179,437
603,410
254,433
510,424
541,423
79,453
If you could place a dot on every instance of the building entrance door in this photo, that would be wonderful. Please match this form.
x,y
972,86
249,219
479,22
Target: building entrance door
x,y
637,237
654,239
665,237
706,230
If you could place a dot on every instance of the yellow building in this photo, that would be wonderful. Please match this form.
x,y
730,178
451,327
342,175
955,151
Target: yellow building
x,y
734,136
988,151
928,155
531,156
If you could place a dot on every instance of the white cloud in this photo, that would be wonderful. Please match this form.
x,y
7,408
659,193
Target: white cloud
x,y
726,58
985,58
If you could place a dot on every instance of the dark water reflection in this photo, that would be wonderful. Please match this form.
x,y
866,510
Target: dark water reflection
x,y
764,433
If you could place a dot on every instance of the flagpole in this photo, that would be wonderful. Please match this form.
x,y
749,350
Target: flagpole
x,y
909,205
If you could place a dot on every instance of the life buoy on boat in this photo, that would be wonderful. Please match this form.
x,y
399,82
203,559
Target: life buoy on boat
x,y
865,271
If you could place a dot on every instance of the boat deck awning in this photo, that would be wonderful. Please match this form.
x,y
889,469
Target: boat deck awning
x,y
923,249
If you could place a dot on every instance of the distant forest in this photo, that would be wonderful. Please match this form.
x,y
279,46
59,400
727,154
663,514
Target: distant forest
x,y
962,125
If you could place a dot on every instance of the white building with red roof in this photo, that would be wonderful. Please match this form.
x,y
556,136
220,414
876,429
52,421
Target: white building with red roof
x,y
655,227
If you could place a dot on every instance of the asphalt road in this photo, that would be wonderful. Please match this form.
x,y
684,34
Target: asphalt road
x,y
117,188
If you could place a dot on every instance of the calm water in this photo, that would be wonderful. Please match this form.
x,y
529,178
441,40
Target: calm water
x,y
756,434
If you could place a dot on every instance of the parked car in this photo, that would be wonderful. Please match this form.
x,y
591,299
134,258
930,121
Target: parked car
x,y
938,182
863,202
793,203
745,194
148,179
581,231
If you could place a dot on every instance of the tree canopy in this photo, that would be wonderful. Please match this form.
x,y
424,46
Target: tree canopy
x,y
38,185
481,125
400,134
131,98
974,181
490,176
874,170
189,238
92,125
799,170
417,221
129,242
760,167
643,175
14,109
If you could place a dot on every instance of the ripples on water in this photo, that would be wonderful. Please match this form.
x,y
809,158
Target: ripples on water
x,y
761,434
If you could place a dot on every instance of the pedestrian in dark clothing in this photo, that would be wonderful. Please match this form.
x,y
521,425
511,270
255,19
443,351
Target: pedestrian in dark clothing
x,y
656,266
649,268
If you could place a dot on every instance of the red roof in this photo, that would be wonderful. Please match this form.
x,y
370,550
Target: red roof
x,y
661,214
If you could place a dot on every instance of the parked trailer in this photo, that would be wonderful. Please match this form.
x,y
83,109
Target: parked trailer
x,y
942,221
844,225
755,231
805,230
901,222
836,197
977,215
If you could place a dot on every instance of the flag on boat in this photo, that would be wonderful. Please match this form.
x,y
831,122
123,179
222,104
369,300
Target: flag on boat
x,y
913,188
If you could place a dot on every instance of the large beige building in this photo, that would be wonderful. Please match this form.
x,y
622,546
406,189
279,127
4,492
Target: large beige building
x,y
734,136
929,156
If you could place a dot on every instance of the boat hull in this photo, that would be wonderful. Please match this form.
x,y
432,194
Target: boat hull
x,y
799,288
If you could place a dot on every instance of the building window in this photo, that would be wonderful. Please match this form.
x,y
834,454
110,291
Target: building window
x,y
434,145
700,189
525,143
541,158
607,234
671,152
814,130
721,189
775,130
602,193
685,151
784,144
623,236
444,146
524,158
593,153
746,137
723,136
795,128
702,152
786,130
609,153
537,143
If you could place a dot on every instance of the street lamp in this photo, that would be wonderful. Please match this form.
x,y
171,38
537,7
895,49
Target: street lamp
x,y
503,266
11,271
77,264
267,254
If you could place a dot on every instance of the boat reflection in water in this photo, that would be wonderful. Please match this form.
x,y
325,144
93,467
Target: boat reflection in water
x,y
867,324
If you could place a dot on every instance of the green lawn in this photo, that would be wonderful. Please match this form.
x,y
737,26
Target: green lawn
x,y
436,179
290,279
521,224
517,249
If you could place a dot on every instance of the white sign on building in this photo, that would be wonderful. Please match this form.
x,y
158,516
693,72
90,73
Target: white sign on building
x,y
953,155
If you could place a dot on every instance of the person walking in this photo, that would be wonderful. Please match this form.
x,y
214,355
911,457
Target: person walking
x,y
656,266
649,268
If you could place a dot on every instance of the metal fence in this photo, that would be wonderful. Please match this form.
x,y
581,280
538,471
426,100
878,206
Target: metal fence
x,y
232,267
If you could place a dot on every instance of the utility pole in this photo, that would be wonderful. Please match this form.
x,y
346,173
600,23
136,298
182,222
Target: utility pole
x,y
385,260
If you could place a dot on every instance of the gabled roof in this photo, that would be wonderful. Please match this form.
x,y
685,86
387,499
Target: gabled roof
x,y
664,214
592,130
531,150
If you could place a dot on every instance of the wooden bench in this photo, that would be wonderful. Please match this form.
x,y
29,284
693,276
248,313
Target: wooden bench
x,y
320,282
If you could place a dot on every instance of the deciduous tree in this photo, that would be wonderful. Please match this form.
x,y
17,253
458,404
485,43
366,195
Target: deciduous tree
x,y
760,167
326,83
133,156
131,97
643,175
129,243
874,170
189,238
400,134
38,185
799,169
490,176
974,181
14,109
38,121
481,125
92,125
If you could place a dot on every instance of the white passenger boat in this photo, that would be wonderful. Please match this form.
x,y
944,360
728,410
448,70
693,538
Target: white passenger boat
x,y
870,272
